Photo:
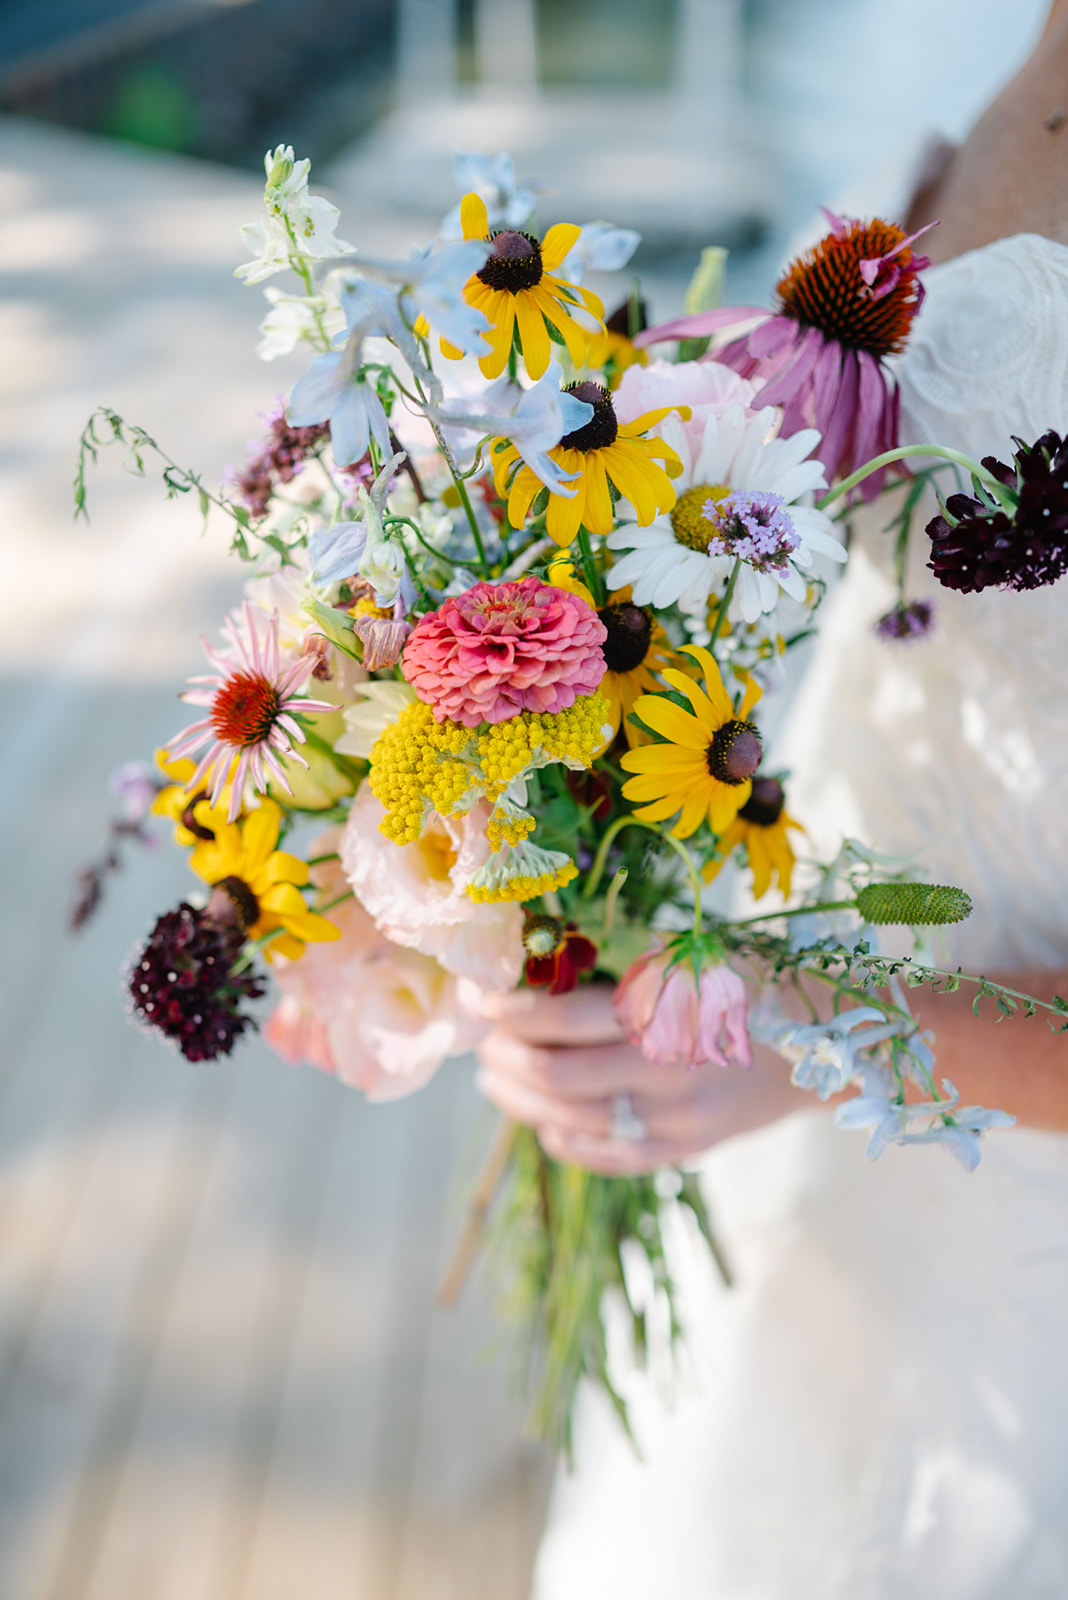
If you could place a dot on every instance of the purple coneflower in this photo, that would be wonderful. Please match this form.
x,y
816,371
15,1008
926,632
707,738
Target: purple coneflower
x,y
253,700
844,306
980,542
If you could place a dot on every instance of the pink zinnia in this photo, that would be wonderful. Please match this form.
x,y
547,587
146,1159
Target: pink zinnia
x,y
674,1018
844,307
503,648
251,723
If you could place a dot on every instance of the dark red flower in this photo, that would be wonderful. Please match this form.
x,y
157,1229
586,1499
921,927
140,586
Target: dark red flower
x,y
557,954
979,542
184,984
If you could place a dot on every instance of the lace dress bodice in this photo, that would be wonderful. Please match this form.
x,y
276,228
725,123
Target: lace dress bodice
x,y
877,1410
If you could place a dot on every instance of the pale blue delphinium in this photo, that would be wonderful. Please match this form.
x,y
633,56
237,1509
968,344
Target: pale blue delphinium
x,y
339,552
956,1127
334,390
600,247
508,203
824,1054
429,284
534,419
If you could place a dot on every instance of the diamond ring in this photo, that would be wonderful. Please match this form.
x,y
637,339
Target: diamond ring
x,y
626,1124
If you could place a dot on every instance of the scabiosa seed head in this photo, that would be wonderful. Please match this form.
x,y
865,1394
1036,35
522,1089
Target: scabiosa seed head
x,y
909,619
981,543
184,984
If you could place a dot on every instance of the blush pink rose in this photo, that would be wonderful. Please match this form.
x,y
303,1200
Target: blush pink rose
x,y
380,1017
416,892
674,1019
503,648
707,387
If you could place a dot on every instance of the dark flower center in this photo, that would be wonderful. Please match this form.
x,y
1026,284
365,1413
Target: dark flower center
x,y
824,288
232,901
764,806
543,937
734,753
624,322
602,427
630,633
515,262
245,709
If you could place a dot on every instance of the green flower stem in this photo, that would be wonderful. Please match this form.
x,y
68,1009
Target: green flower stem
x,y
300,267
795,911
901,454
321,911
452,561
596,872
594,581
317,861
457,478
721,614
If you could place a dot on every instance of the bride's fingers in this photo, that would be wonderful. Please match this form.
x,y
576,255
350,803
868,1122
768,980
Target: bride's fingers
x,y
578,1074
523,1103
585,1016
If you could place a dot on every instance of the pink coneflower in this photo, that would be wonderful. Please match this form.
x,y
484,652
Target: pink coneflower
x,y
844,307
251,722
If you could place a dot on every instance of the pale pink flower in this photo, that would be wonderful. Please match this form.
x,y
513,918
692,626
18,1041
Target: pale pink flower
x,y
415,893
381,1017
253,699
674,1019
709,388
503,648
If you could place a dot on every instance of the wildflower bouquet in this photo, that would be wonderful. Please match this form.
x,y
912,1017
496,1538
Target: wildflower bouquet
x,y
489,712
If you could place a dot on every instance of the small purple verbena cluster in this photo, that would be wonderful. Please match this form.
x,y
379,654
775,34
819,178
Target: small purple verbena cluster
x,y
274,460
752,528
909,619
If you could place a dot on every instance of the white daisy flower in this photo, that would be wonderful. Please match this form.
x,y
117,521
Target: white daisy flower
x,y
737,497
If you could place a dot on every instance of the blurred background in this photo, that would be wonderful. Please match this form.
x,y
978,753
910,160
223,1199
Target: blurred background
x,y
222,1374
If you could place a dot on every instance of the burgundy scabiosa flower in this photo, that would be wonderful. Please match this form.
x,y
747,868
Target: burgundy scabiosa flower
x,y
184,983
844,306
503,648
1018,540
909,619
557,954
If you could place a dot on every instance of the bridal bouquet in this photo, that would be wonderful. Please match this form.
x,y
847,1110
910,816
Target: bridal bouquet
x,y
488,714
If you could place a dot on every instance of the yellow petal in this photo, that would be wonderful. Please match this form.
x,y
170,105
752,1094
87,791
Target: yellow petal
x,y
703,708
260,833
533,336
717,694
671,721
499,337
598,515
573,336
474,218
563,516
631,482
560,238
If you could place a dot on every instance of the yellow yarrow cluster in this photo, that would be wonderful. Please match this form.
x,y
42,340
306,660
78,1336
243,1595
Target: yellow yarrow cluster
x,y
521,872
419,765
508,826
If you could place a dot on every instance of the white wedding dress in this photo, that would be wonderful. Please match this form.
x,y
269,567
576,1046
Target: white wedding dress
x,y
879,1409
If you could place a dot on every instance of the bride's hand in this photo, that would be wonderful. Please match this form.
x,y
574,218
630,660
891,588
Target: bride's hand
x,y
558,1064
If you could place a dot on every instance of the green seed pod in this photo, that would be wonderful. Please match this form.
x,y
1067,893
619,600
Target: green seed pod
x,y
917,904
